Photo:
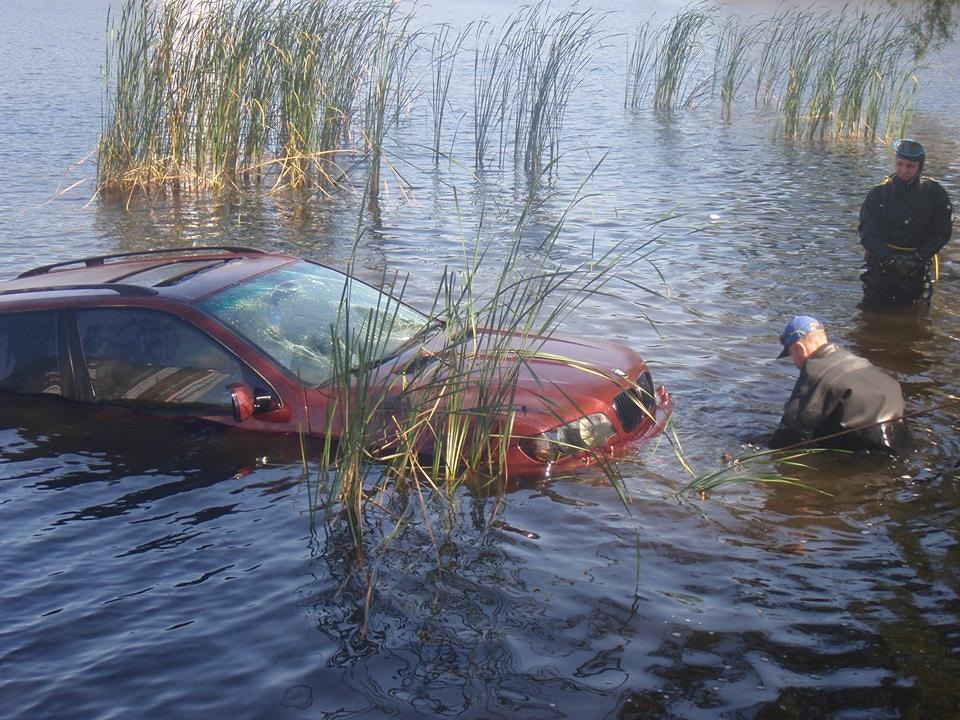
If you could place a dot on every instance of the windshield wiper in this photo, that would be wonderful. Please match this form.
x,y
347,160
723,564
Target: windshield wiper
x,y
429,330
425,358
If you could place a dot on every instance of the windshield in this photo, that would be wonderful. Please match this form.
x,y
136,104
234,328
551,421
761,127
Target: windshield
x,y
300,313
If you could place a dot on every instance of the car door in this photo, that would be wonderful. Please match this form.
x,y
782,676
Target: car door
x,y
150,359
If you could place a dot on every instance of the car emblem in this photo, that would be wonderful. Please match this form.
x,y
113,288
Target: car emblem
x,y
618,371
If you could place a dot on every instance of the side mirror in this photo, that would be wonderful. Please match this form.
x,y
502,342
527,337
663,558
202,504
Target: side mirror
x,y
246,403
243,403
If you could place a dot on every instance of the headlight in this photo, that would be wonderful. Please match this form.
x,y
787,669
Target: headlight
x,y
574,437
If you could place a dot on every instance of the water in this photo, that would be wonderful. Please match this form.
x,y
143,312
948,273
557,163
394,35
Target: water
x,y
174,571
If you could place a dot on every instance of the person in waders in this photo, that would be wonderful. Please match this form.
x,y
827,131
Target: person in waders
x,y
904,221
840,400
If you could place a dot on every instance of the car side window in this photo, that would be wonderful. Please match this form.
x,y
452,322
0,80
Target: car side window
x,y
145,357
29,357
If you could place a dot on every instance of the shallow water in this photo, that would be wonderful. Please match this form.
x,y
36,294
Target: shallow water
x,y
174,571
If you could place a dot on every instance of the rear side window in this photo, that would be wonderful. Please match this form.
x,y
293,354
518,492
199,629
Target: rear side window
x,y
144,357
29,360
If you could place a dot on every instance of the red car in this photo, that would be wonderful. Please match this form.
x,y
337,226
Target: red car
x,y
253,339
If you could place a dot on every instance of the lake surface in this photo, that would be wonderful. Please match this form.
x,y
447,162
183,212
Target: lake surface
x,y
177,572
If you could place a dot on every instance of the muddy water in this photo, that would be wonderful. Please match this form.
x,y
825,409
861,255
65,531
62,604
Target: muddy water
x,y
172,572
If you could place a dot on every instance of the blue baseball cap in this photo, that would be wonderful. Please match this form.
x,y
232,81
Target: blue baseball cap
x,y
798,327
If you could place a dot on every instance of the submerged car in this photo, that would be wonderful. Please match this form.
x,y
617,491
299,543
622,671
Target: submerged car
x,y
274,343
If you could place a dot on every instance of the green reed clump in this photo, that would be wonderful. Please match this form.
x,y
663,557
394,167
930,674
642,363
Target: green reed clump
x,y
525,72
848,75
218,93
771,53
553,53
666,64
825,84
357,426
449,419
805,42
842,75
730,68
680,49
493,62
129,148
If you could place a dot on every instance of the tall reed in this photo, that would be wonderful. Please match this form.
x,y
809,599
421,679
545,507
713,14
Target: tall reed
x,y
769,63
553,53
449,420
525,72
215,93
677,59
392,49
730,68
639,66
445,49
806,42
493,63
849,75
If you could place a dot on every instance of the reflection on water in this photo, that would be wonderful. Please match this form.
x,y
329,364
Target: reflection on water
x,y
168,570
912,330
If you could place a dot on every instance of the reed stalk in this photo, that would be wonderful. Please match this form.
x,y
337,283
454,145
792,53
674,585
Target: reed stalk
x,y
730,66
492,69
639,64
828,85
554,53
677,58
770,65
445,49
525,72
392,50
805,44
850,75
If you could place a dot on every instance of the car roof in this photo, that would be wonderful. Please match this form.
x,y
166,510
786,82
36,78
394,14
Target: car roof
x,y
184,274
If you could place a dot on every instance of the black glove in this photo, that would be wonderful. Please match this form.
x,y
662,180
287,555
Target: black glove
x,y
907,264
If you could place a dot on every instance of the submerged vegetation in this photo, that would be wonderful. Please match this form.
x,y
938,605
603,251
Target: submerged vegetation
x,y
759,466
218,94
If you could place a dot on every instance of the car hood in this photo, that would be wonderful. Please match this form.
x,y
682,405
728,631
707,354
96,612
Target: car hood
x,y
545,379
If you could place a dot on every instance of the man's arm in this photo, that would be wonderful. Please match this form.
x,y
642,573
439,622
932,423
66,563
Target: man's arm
x,y
784,436
791,429
941,223
873,234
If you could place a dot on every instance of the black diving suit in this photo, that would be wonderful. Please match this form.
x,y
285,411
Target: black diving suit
x,y
902,226
839,392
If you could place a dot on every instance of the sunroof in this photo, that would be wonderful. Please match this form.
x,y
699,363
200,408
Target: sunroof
x,y
171,273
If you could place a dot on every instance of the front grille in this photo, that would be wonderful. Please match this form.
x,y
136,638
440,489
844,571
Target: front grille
x,y
636,404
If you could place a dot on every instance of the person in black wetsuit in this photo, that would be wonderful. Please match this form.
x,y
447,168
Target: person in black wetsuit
x,y
904,221
840,398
